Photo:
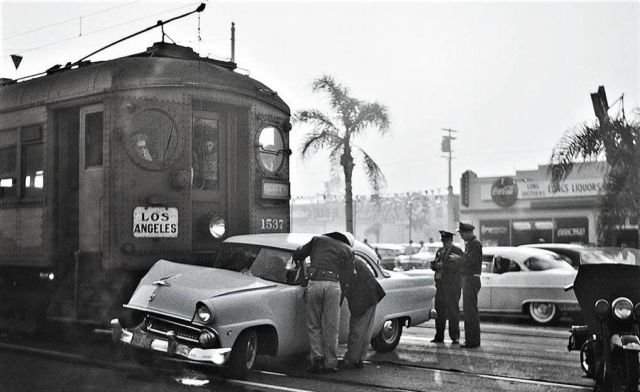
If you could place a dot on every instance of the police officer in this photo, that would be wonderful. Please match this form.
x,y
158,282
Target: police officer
x,y
448,283
331,257
471,267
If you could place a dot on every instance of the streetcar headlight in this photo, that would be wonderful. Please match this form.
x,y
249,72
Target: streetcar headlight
x,y
203,313
602,308
622,308
217,226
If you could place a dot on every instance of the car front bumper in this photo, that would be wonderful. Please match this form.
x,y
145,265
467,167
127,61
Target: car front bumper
x,y
136,337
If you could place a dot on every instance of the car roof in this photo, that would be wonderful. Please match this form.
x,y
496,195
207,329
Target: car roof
x,y
555,245
289,241
515,251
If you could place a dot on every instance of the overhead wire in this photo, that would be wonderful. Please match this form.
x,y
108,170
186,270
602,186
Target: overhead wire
x,y
44,27
59,41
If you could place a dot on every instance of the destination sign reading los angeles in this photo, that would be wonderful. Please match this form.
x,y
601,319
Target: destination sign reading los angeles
x,y
155,222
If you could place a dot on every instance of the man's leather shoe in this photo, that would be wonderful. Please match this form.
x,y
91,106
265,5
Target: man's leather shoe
x,y
455,342
434,340
467,345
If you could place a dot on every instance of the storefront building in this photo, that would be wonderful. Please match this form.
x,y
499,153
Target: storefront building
x,y
526,208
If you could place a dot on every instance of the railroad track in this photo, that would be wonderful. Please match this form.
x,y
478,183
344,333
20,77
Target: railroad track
x,y
272,377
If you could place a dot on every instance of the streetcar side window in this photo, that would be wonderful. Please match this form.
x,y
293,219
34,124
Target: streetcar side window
x,y
93,139
8,156
32,161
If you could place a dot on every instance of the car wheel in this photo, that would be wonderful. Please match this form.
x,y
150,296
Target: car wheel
x,y
543,312
243,355
389,336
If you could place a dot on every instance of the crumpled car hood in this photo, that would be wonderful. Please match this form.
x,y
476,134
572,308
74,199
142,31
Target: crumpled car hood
x,y
174,289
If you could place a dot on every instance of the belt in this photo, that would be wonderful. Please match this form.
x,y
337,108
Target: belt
x,y
322,274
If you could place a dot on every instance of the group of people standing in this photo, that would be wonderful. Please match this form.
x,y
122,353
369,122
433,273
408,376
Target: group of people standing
x,y
333,275
455,271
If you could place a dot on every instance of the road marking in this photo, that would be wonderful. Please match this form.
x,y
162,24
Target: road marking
x,y
268,386
536,382
272,373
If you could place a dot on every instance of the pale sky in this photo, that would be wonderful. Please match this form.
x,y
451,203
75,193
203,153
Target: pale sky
x,y
512,77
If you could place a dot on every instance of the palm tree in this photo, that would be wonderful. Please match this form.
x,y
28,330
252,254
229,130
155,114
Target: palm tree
x,y
337,133
618,142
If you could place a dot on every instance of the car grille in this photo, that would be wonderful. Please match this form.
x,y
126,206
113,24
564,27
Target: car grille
x,y
183,332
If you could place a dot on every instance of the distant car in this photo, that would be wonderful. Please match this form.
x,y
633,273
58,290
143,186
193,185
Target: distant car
x,y
422,259
388,253
581,254
524,280
225,316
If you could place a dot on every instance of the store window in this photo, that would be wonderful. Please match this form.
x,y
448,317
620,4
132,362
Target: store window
x,y
570,230
532,231
270,149
495,233
206,154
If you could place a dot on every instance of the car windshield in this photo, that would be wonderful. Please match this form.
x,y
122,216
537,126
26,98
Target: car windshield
x,y
271,264
546,262
610,255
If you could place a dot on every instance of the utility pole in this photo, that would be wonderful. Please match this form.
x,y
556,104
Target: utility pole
x,y
446,147
451,200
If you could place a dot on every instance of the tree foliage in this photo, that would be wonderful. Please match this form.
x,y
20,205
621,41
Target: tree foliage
x,y
336,133
616,141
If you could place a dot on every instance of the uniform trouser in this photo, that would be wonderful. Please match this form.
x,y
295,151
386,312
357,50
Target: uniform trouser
x,y
359,335
323,318
447,307
470,288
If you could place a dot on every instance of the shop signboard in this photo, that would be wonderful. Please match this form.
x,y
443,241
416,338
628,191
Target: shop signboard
x,y
572,230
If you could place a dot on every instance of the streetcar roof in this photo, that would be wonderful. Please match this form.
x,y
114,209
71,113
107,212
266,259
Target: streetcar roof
x,y
161,65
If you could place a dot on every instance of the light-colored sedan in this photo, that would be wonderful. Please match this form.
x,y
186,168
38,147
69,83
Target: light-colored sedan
x,y
252,304
523,280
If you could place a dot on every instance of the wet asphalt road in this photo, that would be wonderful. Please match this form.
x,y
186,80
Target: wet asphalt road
x,y
515,356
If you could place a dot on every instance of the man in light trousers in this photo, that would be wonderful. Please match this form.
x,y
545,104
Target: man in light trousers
x,y
331,257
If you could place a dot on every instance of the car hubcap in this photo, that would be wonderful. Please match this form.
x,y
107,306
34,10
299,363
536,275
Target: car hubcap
x,y
252,345
390,331
542,311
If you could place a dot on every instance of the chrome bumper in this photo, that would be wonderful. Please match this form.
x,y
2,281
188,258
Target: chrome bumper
x,y
145,340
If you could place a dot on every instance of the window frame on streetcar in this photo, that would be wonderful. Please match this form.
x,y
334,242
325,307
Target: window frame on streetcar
x,y
136,134
278,153
23,140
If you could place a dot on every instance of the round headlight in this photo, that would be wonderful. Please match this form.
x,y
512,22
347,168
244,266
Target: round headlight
x,y
602,308
622,308
203,313
217,226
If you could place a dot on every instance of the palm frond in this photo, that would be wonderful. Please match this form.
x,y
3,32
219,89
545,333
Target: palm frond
x,y
374,174
339,98
584,144
371,114
317,119
318,140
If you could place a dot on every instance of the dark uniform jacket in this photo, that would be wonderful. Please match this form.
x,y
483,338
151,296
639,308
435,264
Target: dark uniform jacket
x,y
327,255
444,267
472,260
362,289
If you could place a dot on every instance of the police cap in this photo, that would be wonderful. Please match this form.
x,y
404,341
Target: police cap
x,y
465,227
445,234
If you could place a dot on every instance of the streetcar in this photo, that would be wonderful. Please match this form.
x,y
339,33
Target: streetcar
x,y
106,167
